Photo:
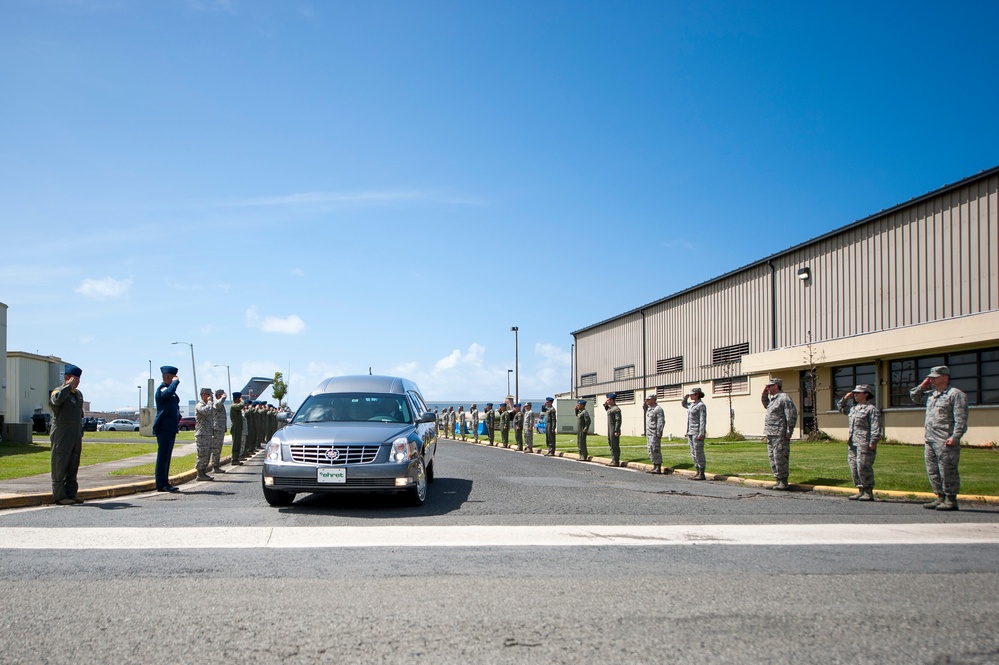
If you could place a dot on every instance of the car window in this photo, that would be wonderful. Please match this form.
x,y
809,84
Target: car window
x,y
354,408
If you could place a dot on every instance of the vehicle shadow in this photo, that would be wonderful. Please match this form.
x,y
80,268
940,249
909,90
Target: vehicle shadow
x,y
444,495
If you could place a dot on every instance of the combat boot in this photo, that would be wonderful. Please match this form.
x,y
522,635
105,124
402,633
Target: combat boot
x,y
866,494
700,474
781,485
219,469
856,497
204,476
933,504
949,503
656,468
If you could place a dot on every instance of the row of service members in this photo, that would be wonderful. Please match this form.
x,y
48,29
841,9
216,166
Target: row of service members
x,y
522,419
946,422
210,428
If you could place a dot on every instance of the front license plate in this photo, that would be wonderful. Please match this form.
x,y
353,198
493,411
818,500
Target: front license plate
x,y
332,475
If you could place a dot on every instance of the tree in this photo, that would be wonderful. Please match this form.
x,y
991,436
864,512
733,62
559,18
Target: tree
x,y
733,433
279,388
812,359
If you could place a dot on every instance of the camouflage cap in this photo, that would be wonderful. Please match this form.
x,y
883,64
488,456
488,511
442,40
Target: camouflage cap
x,y
938,371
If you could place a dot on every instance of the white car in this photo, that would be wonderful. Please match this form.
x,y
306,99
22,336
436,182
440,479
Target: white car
x,y
120,425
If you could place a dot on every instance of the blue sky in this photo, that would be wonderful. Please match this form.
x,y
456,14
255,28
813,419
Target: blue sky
x,y
333,186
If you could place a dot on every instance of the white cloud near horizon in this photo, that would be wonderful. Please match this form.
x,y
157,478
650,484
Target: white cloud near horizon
x,y
290,325
106,288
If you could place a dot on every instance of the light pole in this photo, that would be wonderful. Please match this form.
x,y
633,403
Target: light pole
x,y
194,371
139,410
508,372
227,378
516,364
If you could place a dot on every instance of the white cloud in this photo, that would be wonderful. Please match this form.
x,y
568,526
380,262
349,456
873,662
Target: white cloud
x,y
290,325
298,272
104,289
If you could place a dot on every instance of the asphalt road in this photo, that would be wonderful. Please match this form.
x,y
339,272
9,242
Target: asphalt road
x,y
215,575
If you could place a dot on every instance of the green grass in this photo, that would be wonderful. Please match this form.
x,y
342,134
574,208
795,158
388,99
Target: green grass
x,y
898,467
177,465
20,460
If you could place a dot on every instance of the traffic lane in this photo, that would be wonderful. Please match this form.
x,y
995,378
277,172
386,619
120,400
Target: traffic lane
x,y
490,486
660,615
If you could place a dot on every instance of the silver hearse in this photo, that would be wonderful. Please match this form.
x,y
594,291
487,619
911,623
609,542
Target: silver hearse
x,y
354,434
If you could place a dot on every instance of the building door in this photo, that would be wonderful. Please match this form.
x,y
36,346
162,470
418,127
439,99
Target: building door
x,y
807,409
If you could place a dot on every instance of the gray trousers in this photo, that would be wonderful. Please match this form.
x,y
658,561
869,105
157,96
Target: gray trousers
x,y
779,451
696,450
941,467
217,441
529,438
654,444
204,447
861,460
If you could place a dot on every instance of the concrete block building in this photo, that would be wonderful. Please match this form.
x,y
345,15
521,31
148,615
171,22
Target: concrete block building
x,y
878,301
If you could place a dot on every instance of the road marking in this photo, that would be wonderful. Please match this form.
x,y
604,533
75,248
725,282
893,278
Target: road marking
x,y
494,536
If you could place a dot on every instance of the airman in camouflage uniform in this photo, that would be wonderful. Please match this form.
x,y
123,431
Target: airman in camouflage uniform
x,y
946,423
451,420
474,413
613,428
550,423
490,424
697,423
462,423
583,423
655,423
66,437
778,425
517,423
530,420
862,440
204,425
219,426
504,416
236,427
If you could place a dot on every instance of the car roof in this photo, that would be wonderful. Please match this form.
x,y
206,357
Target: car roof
x,y
365,383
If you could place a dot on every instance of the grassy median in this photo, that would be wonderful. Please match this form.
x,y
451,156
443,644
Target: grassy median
x,y
177,465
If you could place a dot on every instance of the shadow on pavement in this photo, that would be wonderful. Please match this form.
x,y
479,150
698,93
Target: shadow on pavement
x,y
444,495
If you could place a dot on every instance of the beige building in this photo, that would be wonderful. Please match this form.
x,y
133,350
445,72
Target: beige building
x,y
879,301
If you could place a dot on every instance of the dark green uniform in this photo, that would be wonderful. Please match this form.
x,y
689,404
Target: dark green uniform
x,y
236,430
67,440
614,433
505,427
583,428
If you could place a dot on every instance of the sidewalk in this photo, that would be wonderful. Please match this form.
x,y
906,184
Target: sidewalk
x,y
95,481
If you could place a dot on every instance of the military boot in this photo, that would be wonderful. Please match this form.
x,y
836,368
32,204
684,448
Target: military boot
x,y
933,504
866,494
656,468
949,503
700,474
204,476
781,485
219,469
856,497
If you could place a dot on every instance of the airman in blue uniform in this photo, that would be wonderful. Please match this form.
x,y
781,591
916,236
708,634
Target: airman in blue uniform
x,y
165,426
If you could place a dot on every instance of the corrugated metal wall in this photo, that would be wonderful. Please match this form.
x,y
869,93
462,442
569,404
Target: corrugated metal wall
x,y
935,259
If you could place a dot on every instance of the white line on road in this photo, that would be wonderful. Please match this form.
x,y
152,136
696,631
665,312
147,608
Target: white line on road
x,y
494,536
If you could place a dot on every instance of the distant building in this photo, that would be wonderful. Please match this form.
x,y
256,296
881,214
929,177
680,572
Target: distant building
x,y
30,379
879,301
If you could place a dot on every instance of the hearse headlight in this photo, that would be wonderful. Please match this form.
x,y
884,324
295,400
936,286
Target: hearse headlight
x,y
403,450
272,452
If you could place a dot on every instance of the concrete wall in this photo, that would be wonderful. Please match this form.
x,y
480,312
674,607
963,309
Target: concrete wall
x,y
30,379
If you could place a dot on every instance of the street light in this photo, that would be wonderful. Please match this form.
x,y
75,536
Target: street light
x,y
516,365
140,400
227,378
508,372
194,371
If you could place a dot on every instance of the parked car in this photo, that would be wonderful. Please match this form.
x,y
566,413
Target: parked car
x,y
354,434
187,423
90,424
120,425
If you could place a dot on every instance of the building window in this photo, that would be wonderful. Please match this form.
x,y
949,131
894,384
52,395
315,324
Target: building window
x,y
669,365
846,378
974,372
727,354
674,391
730,385
625,397
621,373
588,379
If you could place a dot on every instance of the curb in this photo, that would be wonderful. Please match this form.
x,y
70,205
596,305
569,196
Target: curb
x,y
106,492
892,495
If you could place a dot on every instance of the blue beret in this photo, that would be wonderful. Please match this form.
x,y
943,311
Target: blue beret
x,y
73,370
611,395
168,369
489,403
549,399
582,401
237,394
517,404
